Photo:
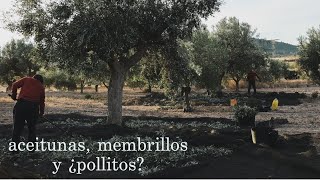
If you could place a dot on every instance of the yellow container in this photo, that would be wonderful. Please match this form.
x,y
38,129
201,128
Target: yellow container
x,y
275,104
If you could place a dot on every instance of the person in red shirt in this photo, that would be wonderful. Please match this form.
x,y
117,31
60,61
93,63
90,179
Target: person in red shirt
x,y
251,78
30,105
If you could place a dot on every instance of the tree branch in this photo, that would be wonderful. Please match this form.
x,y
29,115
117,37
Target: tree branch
x,y
134,59
105,85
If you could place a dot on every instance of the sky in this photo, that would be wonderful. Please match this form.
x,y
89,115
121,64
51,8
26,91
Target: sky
x,y
284,20
6,35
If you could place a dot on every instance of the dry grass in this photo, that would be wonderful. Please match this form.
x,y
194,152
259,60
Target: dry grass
x,y
287,58
292,61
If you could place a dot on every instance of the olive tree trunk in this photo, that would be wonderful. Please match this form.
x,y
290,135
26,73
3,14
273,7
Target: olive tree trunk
x,y
119,66
219,85
237,85
187,100
96,87
237,81
81,86
115,92
149,87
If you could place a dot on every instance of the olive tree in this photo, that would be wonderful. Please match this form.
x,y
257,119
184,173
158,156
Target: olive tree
x,y
309,51
18,58
148,72
118,32
238,39
211,58
151,69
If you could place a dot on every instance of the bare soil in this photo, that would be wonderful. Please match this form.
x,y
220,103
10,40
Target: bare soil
x,y
296,154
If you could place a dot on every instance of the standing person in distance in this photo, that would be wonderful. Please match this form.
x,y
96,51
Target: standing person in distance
x,y
251,78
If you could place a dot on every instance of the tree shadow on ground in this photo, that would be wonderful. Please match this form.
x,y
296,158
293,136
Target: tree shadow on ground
x,y
294,156
263,99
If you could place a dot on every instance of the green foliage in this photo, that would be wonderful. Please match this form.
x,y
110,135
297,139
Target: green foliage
x,y
68,83
265,74
60,79
309,51
210,58
152,67
273,71
94,73
245,115
178,71
229,50
118,33
136,81
149,72
17,59
278,69
238,40
108,29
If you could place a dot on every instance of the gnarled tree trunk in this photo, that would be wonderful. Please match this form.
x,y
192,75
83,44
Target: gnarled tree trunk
x,y
237,85
149,87
115,92
96,87
119,66
237,81
218,89
81,86
187,101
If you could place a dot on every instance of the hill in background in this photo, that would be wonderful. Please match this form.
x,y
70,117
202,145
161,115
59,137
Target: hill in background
x,y
277,48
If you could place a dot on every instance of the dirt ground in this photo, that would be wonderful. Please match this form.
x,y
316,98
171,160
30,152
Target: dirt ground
x,y
302,118
297,157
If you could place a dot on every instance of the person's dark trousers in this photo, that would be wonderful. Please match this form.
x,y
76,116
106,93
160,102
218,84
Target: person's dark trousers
x,y
253,85
25,111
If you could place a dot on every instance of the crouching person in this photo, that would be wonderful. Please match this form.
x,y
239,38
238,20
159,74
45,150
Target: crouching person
x,y
29,107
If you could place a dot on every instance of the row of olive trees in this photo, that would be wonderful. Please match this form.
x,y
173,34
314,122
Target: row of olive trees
x,y
229,51
155,70
111,37
206,65
18,59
